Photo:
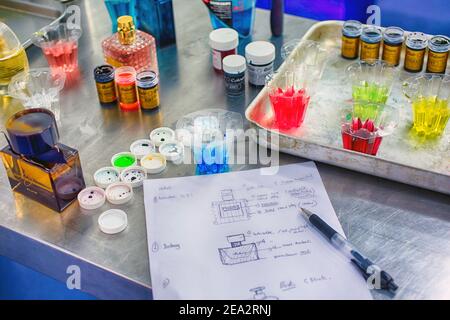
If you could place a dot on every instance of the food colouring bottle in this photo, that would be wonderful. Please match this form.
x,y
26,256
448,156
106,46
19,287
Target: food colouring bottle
x,y
393,38
351,32
104,81
260,56
438,48
126,88
370,43
148,90
223,42
416,44
234,74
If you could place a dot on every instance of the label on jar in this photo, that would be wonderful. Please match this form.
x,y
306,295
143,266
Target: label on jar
x,y
106,91
414,59
217,59
257,74
437,61
127,93
222,10
370,51
148,97
350,47
235,83
391,53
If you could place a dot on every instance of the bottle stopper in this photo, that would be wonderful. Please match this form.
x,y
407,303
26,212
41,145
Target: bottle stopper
x,y
134,176
119,193
161,135
105,176
113,221
91,198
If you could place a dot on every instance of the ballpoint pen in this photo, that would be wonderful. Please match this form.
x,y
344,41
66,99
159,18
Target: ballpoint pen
x,y
367,267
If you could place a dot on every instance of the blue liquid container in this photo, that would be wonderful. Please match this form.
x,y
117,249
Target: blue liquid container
x,y
156,17
211,158
236,14
117,8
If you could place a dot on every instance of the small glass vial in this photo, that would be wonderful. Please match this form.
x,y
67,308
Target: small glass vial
x,y
370,43
438,48
223,42
234,74
351,32
126,88
104,81
260,56
416,45
393,38
148,90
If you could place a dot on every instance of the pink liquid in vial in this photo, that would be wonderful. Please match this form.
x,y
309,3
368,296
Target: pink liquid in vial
x,y
289,107
62,55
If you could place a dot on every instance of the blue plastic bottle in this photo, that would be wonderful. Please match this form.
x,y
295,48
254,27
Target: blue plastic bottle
x,y
117,8
236,14
156,17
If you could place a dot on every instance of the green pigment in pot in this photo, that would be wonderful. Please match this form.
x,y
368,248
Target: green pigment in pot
x,y
124,161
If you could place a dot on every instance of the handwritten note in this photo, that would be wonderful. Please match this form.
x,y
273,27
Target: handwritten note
x,y
239,235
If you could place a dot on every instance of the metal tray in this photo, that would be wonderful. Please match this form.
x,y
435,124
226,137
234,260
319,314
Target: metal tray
x,y
401,156
25,17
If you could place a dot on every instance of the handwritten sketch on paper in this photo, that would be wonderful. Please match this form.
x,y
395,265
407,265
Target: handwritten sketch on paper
x,y
239,235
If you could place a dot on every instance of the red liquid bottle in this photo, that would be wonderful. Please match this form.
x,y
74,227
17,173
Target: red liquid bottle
x,y
125,78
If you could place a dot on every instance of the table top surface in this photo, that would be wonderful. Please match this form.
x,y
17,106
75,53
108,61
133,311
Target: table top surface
x,y
405,229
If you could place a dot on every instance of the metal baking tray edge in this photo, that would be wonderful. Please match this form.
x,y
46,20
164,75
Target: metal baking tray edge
x,y
346,158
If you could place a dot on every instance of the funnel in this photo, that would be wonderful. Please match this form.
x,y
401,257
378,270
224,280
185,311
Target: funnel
x,y
38,88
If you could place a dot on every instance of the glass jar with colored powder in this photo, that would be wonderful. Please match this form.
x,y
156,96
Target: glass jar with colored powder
x,y
351,32
260,56
370,43
125,78
223,42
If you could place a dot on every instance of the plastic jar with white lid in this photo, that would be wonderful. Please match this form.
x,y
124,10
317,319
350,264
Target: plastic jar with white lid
x,y
223,42
234,74
260,56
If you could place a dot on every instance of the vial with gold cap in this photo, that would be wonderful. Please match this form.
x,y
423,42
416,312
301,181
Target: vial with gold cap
x,y
130,47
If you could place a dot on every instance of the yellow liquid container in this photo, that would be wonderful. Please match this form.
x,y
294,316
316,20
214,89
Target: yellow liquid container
x,y
13,58
431,115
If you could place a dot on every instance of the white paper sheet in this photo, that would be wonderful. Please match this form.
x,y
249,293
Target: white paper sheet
x,y
239,235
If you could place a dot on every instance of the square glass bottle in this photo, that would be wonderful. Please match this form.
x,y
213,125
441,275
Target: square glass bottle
x,y
55,185
37,165
130,47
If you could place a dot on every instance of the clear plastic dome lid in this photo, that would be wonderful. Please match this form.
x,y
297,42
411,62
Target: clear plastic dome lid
x,y
208,121
9,43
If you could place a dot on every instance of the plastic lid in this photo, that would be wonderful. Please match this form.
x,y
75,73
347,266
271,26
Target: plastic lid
x,y
142,147
103,177
161,135
260,52
135,176
173,151
32,132
154,163
119,193
123,160
223,39
234,64
91,198
113,221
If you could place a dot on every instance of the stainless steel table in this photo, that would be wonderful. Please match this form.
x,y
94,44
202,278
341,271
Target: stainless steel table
x,y
405,229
